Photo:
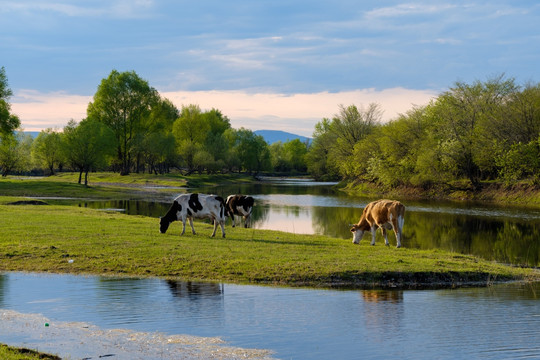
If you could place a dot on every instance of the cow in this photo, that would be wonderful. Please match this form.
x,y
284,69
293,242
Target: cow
x,y
383,214
240,205
189,206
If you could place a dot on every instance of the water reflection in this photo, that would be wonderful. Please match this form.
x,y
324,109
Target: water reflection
x,y
498,322
377,296
195,290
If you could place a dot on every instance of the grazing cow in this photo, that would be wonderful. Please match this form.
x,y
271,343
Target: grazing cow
x,y
240,205
189,206
383,214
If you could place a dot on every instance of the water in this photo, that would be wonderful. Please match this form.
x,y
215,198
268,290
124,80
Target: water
x,y
499,322
507,234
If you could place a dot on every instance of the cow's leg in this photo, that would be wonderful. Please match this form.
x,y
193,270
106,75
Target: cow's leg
x,y
222,224
397,226
191,223
401,220
248,220
385,235
232,219
215,227
183,227
373,233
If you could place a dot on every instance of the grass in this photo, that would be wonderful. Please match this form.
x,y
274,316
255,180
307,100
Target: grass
x,y
63,239
12,353
109,185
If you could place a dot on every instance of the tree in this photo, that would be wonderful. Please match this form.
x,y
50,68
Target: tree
x,y
334,141
87,145
155,144
216,143
294,151
8,122
46,149
190,131
252,151
121,102
466,113
14,152
317,157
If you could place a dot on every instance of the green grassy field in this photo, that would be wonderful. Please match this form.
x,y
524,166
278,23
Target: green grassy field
x,y
64,239
12,353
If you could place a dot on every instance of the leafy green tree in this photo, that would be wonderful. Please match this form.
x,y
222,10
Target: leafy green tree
x,y
216,143
277,157
121,102
88,145
15,152
252,151
334,141
466,113
294,151
190,132
8,121
155,144
46,149
519,162
317,158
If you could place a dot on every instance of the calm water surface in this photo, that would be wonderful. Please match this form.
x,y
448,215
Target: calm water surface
x,y
500,322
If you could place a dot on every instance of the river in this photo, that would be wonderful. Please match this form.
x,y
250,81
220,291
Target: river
x,y
91,317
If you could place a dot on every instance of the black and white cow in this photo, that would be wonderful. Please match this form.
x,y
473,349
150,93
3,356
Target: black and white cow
x,y
240,205
189,206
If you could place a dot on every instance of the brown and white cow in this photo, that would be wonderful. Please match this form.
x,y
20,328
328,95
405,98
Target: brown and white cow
x,y
383,214
240,205
189,206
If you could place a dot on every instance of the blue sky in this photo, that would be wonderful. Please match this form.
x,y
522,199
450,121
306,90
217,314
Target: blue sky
x,y
265,64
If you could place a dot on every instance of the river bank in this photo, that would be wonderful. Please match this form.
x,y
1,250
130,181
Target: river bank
x,y
67,239
516,194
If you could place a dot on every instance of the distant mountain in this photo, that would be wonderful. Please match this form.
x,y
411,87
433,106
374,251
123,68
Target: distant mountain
x,y
272,136
33,134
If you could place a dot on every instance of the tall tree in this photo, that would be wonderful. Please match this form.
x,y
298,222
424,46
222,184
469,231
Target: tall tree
x,y
252,151
46,149
15,152
87,145
121,102
466,113
317,157
190,131
8,121
155,144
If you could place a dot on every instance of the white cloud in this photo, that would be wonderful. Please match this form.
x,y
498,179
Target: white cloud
x,y
297,113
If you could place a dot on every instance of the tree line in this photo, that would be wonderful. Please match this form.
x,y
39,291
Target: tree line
x,y
474,132
129,127
484,131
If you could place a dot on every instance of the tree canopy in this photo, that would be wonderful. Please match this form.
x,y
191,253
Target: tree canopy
x,y
8,121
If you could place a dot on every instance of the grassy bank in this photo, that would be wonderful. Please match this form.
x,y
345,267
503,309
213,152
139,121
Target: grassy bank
x,y
12,353
63,239
110,185
517,194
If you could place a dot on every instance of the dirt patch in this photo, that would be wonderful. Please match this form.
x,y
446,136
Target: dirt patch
x,y
28,202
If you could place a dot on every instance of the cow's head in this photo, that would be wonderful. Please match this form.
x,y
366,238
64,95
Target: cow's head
x,y
163,225
358,231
